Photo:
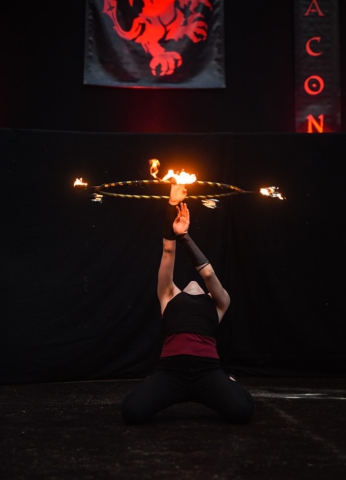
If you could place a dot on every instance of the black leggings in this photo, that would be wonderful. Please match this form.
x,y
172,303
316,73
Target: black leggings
x,y
186,378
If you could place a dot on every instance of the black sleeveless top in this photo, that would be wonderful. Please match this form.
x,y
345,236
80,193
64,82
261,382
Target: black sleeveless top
x,y
187,313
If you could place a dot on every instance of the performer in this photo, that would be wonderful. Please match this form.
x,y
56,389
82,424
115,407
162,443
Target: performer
x,y
189,369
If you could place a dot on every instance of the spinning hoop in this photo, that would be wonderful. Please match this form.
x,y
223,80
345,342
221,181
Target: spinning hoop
x,y
235,190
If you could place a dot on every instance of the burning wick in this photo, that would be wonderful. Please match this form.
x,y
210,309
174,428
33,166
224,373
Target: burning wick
x,y
182,178
80,184
97,198
211,203
154,167
271,192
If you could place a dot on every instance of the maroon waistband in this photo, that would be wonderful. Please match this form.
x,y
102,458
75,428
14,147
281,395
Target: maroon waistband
x,y
189,344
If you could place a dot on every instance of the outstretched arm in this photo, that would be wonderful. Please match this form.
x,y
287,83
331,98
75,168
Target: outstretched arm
x,y
166,289
202,265
216,290
165,285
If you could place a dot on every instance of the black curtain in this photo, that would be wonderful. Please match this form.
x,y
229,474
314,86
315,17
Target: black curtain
x,y
78,281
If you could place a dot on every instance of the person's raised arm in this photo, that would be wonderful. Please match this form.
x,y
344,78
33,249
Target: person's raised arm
x,y
165,286
202,265
216,290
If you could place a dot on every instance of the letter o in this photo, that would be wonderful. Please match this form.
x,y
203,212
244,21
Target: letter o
x,y
308,89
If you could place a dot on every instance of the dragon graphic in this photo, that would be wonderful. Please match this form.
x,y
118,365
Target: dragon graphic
x,y
158,22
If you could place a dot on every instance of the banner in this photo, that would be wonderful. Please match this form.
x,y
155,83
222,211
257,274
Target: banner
x,y
155,43
317,66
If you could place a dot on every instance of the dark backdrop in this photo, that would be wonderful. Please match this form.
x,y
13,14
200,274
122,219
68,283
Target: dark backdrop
x,y
78,279
41,78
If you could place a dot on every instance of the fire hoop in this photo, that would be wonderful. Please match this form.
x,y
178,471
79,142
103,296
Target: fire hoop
x,y
129,183
182,178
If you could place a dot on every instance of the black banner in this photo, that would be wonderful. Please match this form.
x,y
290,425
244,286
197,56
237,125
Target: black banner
x,y
155,43
317,66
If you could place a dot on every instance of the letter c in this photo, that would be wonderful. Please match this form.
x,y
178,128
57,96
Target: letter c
x,y
308,48
308,89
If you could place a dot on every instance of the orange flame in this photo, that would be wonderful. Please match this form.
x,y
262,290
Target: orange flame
x,y
97,198
182,178
154,167
271,192
79,183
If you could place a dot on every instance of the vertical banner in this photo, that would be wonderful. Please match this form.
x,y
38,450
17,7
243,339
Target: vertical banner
x,y
317,66
155,43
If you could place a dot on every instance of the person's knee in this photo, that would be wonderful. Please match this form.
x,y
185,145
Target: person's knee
x,y
245,412
242,411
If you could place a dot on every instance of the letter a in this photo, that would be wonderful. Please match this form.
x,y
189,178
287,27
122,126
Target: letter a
x,y
313,122
312,9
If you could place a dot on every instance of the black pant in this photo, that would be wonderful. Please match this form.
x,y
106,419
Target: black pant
x,y
185,378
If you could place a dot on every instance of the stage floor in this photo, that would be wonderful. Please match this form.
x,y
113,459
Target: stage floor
x,y
74,430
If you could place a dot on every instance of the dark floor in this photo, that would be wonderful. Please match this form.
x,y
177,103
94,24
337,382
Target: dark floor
x,y
74,431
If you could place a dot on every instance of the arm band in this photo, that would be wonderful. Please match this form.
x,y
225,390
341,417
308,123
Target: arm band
x,y
201,268
196,256
171,214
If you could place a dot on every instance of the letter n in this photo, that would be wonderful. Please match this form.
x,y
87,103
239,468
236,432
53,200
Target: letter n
x,y
312,122
314,7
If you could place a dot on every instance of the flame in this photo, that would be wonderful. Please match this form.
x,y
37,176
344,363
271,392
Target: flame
x,y
79,183
271,192
211,203
97,198
154,167
181,178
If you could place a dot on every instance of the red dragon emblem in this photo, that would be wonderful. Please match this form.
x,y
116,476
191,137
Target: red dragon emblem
x,y
158,22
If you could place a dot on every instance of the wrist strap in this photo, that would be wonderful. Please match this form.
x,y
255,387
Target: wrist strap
x,y
196,256
171,214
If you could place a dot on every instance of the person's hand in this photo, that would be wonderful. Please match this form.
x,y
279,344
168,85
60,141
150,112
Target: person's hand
x,y
182,222
178,194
